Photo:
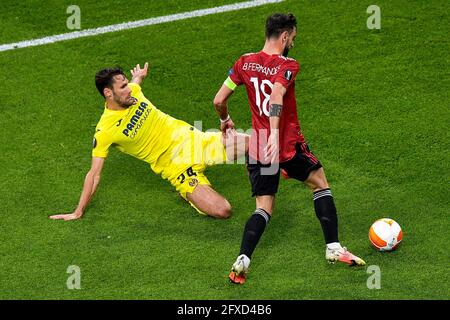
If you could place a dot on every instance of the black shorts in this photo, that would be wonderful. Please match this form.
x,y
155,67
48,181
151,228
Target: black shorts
x,y
299,168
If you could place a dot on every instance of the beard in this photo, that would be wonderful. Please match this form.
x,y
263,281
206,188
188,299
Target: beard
x,y
286,51
128,103
124,103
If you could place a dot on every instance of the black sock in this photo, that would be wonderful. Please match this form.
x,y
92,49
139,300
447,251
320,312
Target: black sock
x,y
253,231
326,212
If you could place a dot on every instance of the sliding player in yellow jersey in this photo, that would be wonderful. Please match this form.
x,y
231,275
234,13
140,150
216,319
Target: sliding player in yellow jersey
x,y
173,148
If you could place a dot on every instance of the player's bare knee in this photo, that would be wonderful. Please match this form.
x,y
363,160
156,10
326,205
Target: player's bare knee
x,y
223,210
319,186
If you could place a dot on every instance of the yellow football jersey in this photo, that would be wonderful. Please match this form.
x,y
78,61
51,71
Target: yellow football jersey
x,y
169,145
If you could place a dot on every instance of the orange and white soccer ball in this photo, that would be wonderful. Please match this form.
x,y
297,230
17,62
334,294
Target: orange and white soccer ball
x,y
385,234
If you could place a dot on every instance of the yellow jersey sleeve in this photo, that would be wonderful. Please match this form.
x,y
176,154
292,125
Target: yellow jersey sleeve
x,y
135,88
101,144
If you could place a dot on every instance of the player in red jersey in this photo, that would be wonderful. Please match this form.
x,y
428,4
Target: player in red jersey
x,y
277,143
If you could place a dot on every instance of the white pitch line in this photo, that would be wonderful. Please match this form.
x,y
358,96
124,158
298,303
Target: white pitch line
x,y
135,24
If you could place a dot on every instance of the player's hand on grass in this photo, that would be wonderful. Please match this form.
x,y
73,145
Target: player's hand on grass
x,y
66,216
271,151
138,73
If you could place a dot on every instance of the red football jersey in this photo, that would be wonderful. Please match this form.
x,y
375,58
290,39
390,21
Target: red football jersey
x,y
258,72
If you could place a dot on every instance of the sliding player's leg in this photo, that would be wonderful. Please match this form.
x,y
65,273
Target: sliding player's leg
x,y
208,201
236,144
196,189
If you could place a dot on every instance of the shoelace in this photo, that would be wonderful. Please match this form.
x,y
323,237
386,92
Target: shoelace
x,y
338,251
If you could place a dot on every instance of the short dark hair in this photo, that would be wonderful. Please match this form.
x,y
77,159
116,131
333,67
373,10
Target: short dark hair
x,y
104,78
277,23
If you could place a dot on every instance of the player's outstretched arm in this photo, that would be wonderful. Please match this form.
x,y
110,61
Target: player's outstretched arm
x,y
90,186
138,74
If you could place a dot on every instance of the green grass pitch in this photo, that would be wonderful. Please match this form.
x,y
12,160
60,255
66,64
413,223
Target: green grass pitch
x,y
373,105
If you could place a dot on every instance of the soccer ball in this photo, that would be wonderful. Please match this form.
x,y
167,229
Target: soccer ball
x,y
385,234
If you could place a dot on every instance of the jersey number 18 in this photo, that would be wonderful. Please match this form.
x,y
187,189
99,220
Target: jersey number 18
x,y
262,89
